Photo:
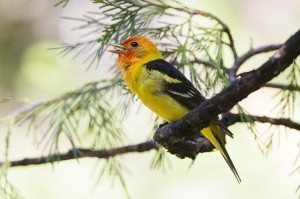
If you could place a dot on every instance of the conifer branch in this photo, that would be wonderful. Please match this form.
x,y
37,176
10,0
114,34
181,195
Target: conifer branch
x,y
84,153
172,135
203,62
203,46
229,119
225,27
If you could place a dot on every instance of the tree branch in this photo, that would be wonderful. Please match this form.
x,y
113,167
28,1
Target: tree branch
x,y
252,52
83,153
202,143
203,62
229,119
173,135
207,64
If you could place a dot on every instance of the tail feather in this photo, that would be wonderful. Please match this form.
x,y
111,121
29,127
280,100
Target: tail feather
x,y
228,160
215,139
225,129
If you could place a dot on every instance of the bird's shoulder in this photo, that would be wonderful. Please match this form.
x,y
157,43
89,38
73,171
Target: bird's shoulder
x,y
165,68
176,85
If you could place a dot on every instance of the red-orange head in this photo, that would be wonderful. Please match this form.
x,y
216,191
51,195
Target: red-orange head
x,y
135,50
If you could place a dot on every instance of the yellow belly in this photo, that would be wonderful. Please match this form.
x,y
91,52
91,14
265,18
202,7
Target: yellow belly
x,y
164,106
150,92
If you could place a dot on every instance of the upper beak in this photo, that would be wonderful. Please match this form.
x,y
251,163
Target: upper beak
x,y
116,48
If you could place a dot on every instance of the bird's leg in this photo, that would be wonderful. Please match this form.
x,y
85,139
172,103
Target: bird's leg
x,y
163,124
188,146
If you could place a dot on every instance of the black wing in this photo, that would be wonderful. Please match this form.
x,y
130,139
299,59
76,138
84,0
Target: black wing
x,y
182,90
177,86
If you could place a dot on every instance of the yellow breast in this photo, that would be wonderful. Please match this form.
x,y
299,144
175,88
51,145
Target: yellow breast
x,y
149,89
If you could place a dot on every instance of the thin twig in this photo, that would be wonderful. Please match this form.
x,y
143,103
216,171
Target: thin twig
x,y
229,119
283,87
207,64
203,62
84,153
252,52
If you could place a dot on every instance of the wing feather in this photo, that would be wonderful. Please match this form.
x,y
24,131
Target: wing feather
x,y
176,85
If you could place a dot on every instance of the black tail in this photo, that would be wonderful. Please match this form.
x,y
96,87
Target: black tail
x,y
228,160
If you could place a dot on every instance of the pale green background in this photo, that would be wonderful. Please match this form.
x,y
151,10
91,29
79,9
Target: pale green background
x,y
31,72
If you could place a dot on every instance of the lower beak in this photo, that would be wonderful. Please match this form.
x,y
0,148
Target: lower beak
x,y
116,48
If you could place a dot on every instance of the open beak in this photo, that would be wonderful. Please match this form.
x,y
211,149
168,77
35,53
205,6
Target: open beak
x,y
116,48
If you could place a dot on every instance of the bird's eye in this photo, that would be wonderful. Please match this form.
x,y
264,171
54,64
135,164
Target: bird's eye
x,y
134,44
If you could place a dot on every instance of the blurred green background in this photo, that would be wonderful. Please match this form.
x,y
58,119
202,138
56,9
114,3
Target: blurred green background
x,y
29,72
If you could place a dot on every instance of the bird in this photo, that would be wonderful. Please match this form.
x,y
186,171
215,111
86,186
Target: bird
x,y
163,88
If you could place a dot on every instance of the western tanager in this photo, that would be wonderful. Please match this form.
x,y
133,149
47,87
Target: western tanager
x,y
163,88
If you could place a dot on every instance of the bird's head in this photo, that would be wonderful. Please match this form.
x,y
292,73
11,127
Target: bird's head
x,y
135,50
